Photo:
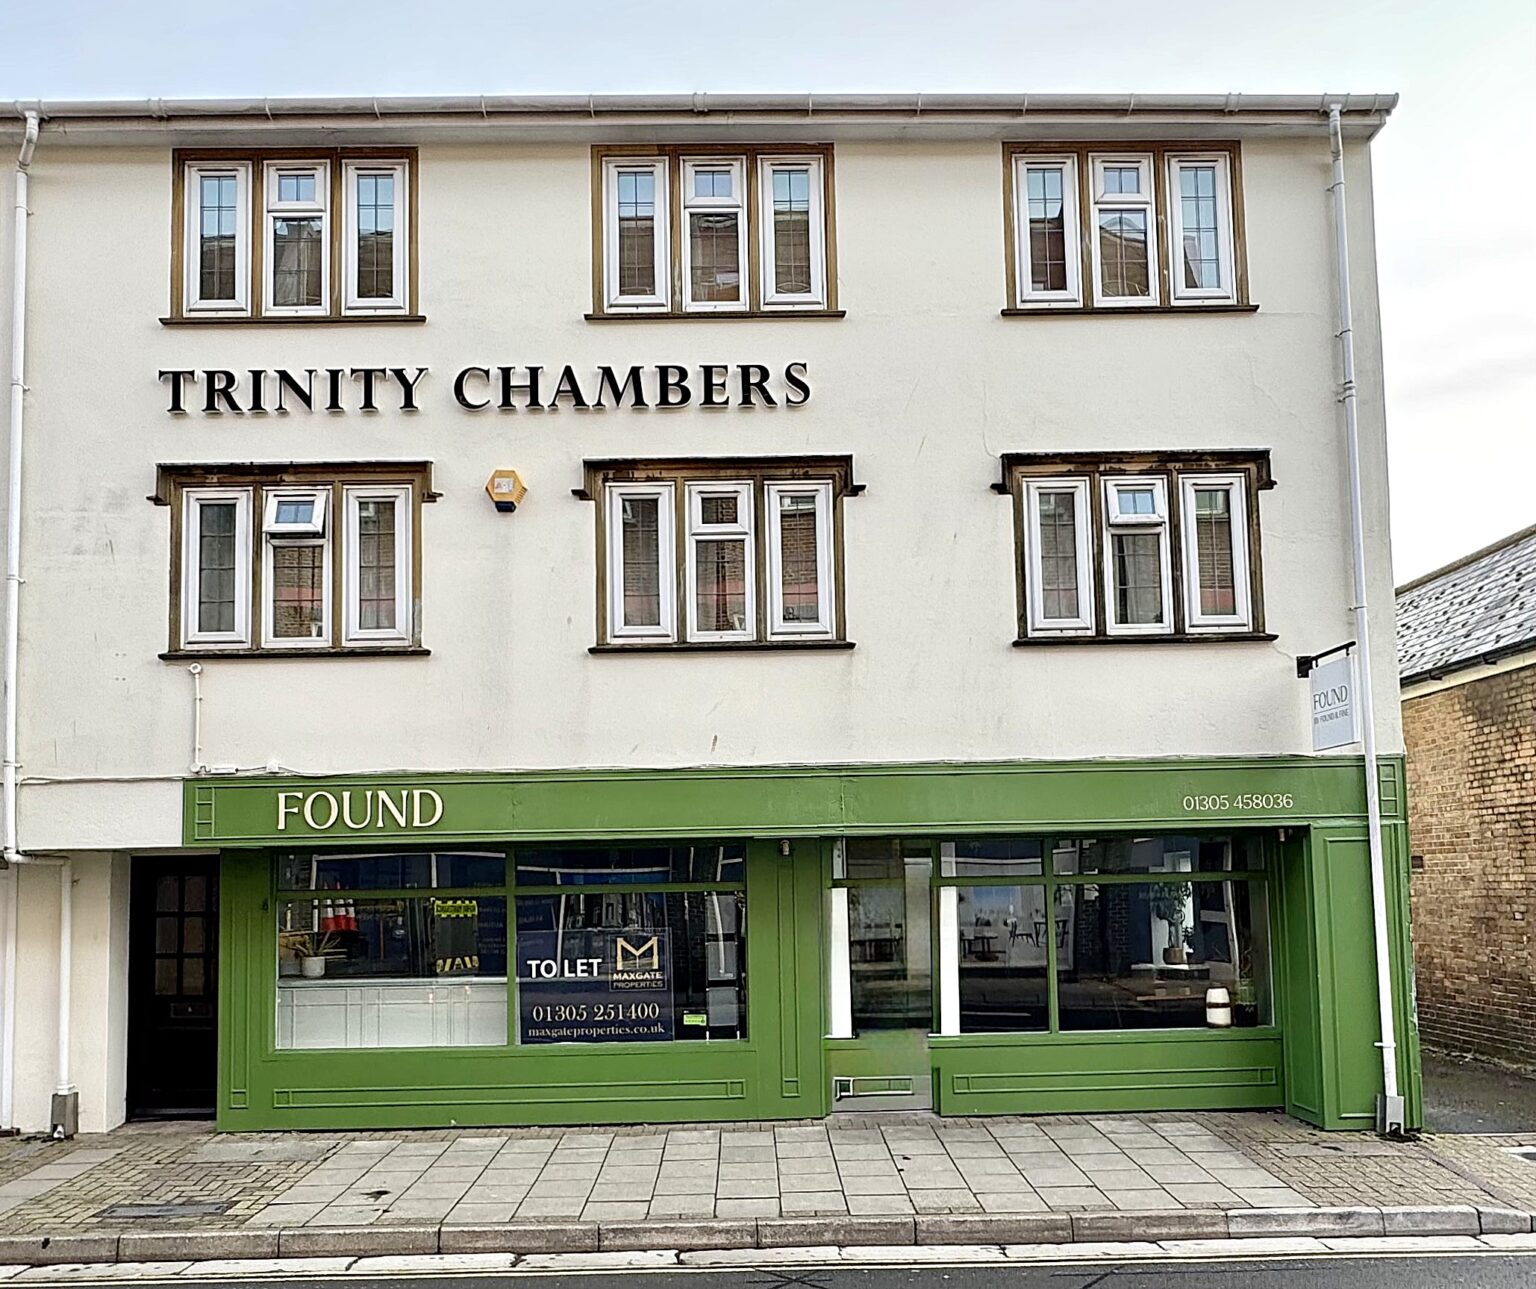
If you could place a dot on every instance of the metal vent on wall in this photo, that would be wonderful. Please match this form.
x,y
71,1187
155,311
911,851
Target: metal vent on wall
x,y
897,1085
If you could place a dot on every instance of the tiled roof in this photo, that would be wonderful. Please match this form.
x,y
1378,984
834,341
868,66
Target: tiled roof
x,y
1483,604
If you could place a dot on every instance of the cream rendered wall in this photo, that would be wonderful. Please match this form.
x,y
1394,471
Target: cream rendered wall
x,y
923,382
98,992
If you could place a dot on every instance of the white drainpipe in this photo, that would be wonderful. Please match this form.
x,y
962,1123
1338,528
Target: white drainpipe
x,y
1390,1111
65,1101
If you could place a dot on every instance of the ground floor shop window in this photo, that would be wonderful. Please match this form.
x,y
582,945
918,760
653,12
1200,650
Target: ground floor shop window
x,y
1052,934
611,944
418,971
650,948
1164,931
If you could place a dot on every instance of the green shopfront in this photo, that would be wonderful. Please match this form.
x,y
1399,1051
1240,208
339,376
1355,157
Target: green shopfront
x,y
745,943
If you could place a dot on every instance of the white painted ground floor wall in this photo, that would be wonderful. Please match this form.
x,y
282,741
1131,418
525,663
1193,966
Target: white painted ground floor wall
x,y
98,993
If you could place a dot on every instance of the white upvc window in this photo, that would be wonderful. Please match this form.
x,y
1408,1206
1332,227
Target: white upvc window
x,y
216,567
377,575
1138,594
1213,521
1200,258
801,596
1048,256
376,237
636,240
1059,548
295,512
721,573
296,568
641,561
216,256
1124,229
793,232
714,235
296,238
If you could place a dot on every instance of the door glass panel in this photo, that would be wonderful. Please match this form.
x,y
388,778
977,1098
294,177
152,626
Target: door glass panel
x,y
165,935
168,895
192,976
165,977
890,950
194,937
194,898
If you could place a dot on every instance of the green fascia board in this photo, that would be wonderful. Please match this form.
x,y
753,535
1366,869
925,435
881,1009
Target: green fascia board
x,y
781,801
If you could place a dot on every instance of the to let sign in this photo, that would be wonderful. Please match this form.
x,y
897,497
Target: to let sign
x,y
594,986
1335,711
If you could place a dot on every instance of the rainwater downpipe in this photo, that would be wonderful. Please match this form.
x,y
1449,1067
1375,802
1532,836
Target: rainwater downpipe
x,y
1390,1110
64,1111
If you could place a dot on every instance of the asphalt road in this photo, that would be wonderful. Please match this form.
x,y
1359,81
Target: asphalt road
x,y
1487,1271
1464,1096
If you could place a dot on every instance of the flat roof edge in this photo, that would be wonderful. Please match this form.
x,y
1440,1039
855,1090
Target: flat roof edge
x,y
699,105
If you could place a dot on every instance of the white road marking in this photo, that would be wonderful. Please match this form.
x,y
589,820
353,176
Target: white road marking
x,y
465,1265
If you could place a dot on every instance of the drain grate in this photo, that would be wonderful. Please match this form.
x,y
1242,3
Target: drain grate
x,y
193,1208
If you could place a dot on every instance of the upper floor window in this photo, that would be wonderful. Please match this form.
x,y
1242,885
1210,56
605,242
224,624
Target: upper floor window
x,y
720,552
293,559
293,235
752,231
1138,546
1087,222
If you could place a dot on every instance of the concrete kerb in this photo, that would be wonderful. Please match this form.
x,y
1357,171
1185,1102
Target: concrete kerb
x,y
707,1234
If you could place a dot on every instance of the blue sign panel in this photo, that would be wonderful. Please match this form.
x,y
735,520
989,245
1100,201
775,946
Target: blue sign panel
x,y
594,986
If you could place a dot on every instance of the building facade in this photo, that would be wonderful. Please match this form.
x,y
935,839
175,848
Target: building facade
x,y
548,611
1467,649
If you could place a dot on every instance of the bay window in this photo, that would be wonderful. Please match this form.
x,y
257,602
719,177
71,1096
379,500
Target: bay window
x,y
261,550
728,207
720,553
1087,226
1138,546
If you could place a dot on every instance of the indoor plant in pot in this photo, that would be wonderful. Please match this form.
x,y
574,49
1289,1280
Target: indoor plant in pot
x,y
310,949
1170,904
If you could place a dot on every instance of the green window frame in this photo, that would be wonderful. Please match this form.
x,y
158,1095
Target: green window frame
x,y
1257,853
508,890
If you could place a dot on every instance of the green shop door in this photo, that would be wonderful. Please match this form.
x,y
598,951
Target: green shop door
x,y
882,933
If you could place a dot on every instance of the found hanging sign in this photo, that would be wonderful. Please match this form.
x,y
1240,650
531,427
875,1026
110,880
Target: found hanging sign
x,y
1335,707
594,986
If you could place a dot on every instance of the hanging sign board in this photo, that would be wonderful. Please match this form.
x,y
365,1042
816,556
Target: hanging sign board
x,y
594,986
1335,708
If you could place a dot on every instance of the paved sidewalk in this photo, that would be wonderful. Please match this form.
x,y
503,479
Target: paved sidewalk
x,y
185,1177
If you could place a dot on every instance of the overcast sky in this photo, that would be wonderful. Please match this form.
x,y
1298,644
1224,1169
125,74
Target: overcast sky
x,y
1455,167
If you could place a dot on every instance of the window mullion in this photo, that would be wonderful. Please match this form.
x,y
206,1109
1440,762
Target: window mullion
x,y
1052,954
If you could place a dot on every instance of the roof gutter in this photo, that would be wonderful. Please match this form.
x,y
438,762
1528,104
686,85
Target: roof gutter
x,y
935,107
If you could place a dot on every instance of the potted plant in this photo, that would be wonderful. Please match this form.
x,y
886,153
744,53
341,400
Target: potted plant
x,y
309,949
1170,904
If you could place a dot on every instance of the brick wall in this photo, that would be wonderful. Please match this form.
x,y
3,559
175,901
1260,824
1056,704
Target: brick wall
x,y
1472,816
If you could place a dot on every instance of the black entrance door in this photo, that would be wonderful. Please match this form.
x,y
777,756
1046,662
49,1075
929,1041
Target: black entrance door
x,y
172,963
